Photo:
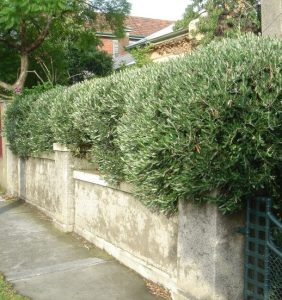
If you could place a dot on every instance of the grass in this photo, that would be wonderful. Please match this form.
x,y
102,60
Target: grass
x,y
7,291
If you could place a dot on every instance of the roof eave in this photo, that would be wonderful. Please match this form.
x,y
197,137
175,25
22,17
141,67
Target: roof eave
x,y
159,39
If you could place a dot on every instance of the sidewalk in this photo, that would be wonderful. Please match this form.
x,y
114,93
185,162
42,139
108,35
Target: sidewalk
x,y
45,264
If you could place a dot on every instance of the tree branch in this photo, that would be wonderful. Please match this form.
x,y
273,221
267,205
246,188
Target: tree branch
x,y
6,86
5,97
40,39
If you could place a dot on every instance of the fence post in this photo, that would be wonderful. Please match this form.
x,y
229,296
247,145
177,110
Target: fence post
x,y
210,253
64,186
12,166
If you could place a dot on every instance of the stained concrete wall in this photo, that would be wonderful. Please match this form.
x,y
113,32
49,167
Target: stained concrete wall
x,y
271,12
139,238
210,253
3,159
48,185
197,253
12,172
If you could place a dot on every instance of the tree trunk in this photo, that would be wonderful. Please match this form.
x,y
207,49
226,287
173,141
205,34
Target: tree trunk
x,y
19,84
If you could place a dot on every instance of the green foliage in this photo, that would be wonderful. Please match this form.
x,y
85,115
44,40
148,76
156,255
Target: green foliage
x,y
7,292
97,113
224,18
88,64
205,124
61,118
59,37
27,123
141,56
209,122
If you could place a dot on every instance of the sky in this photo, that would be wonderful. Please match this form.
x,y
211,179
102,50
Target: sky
x,y
159,9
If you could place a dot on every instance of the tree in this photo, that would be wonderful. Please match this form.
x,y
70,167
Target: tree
x,y
25,25
225,18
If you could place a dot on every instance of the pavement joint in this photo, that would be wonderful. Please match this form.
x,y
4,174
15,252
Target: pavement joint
x,y
68,266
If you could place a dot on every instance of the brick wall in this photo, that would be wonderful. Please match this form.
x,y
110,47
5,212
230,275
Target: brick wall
x,y
107,45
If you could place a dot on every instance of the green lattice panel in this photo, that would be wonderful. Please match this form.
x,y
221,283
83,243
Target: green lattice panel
x,y
256,250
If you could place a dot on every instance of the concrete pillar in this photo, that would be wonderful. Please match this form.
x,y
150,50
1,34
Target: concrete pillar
x,y
22,178
210,254
12,165
271,13
64,186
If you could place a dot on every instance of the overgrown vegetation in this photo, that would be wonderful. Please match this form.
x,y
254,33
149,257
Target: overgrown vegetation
x,y
142,55
7,292
207,124
222,18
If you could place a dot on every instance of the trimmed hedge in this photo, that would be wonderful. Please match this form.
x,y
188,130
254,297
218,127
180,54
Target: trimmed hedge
x,y
210,123
207,123
27,123
96,112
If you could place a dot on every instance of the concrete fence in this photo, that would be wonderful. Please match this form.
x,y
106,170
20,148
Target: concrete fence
x,y
196,253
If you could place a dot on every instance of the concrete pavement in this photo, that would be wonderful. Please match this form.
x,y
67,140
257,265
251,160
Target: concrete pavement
x,y
46,264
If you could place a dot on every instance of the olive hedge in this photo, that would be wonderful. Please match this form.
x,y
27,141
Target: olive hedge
x,y
206,127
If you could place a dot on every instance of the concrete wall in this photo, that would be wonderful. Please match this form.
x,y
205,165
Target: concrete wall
x,y
3,162
210,253
112,219
196,253
271,11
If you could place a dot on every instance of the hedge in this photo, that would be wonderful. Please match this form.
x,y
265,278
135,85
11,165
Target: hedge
x,y
27,123
210,123
205,124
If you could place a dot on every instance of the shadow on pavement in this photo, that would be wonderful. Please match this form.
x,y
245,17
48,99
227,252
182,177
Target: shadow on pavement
x,y
10,206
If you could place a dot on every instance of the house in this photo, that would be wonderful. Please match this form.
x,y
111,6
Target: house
x,y
136,28
164,44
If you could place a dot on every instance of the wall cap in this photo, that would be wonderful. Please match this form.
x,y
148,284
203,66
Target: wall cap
x,y
95,178
60,148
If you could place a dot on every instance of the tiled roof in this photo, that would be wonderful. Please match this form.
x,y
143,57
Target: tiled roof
x,y
145,26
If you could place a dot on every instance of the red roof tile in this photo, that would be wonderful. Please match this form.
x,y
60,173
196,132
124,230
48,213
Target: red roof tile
x,y
145,26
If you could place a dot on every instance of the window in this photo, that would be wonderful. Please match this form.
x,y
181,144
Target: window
x,y
115,48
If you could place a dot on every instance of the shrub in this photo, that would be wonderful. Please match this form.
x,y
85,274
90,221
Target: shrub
x,y
27,124
209,122
63,126
96,112
16,128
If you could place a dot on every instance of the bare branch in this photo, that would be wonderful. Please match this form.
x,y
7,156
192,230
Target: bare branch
x,y
37,75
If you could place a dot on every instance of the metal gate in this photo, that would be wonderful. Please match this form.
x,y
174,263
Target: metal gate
x,y
263,252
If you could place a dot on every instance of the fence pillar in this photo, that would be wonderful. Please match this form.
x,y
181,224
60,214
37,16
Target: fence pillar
x,y
271,13
64,186
12,166
210,254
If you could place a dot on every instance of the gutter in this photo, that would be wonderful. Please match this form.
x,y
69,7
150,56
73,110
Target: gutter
x,y
109,34
158,39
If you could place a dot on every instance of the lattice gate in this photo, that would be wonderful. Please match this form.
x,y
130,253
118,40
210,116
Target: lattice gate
x,y
263,252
